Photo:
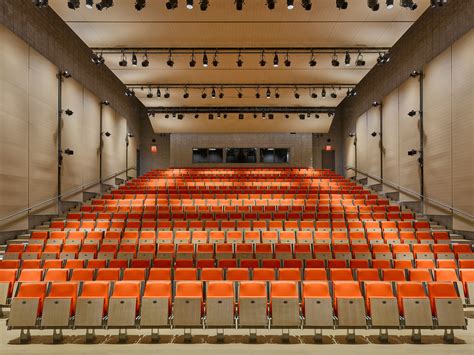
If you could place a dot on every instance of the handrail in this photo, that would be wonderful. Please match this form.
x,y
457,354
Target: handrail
x,y
69,192
411,192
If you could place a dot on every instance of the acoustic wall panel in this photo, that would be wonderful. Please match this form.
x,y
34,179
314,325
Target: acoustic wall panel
x,y
373,144
361,132
390,151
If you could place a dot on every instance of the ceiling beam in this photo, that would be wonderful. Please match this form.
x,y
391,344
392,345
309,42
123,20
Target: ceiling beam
x,y
238,109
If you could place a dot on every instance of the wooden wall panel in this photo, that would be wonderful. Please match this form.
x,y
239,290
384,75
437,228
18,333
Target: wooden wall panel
x,y
13,129
373,144
409,136
43,107
91,138
72,127
437,130
463,129
391,167
361,132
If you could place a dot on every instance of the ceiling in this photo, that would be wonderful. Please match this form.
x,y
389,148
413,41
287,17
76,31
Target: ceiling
x,y
221,26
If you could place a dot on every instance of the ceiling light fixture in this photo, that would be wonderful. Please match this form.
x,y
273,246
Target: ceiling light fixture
x,y
275,60
158,92
134,59
215,62
269,94
167,94
145,61
171,4
323,93
389,4
213,93
205,62
123,60
150,94
239,61
360,62
312,61
239,5
341,4
192,62
347,59
189,4
104,4
287,60
335,60
40,3
73,4
170,61
306,4
89,4
290,4
262,59
204,4
140,5
271,4
408,4
373,5
186,93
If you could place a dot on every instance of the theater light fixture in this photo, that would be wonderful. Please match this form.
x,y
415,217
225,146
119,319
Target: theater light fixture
x,y
89,4
262,59
221,94
257,94
97,58
352,135
241,116
275,60
333,95
360,62
170,61
167,94
189,4
271,4
374,134
68,151
205,62
375,104
68,112
412,152
215,62
347,59
412,113
373,5
277,94
145,61
40,3
158,92
123,60
149,95
306,4
140,5
192,62
437,3
204,94
213,93
341,4
104,4
186,93
204,4
107,134
268,94
290,4
335,60
314,95
323,93
297,94
408,4
239,61
134,59
287,60
415,73
312,61
196,115
73,4
211,116
389,4
171,4
239,5
105,103
180,116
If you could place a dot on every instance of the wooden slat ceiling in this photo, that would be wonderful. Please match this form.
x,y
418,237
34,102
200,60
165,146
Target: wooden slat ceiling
x,y
221,26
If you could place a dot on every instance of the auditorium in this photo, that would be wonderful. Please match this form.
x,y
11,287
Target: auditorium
x,y
258,176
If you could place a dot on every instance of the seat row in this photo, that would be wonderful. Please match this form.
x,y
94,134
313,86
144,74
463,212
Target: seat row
x,y
237,237
233,263
246,304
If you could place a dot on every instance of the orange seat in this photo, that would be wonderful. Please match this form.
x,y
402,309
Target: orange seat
x,y
56,275
36,290
8,276
159,274
82,275
212,274
345,289
377,289
189,289
134,274
409,290
368,275
438,290
220,289
289,274
185,274
252,289
159,289
96,289
393,275
108,275
66,290
263,274
127,289
341,275
420,275
237,274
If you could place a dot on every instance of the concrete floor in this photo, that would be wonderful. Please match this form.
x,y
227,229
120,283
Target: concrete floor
x,y
204,342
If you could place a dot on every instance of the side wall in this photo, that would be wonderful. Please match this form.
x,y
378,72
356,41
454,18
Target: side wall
x,y
447,95
29,127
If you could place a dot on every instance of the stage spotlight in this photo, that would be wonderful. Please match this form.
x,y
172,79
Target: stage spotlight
x,y
374,134
150,94
290,4
134,59
170,61
189,4
123,60
167,94
213,93
104,4
239,5
360,62
335,60
275,60
68,112
314,95
268,94
375,104
347,59
241,116
239,61
215,62
287,60
312,61
408,4
306,4
89,4
262,59
158,92
412,113
73,4
204,94
373,5
107,134
204,4
186,93
323,93
389,4
205,62
140,5
333,95
342,4
40,3
145,61
68,151
412,152
271,4
171,4
192,62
